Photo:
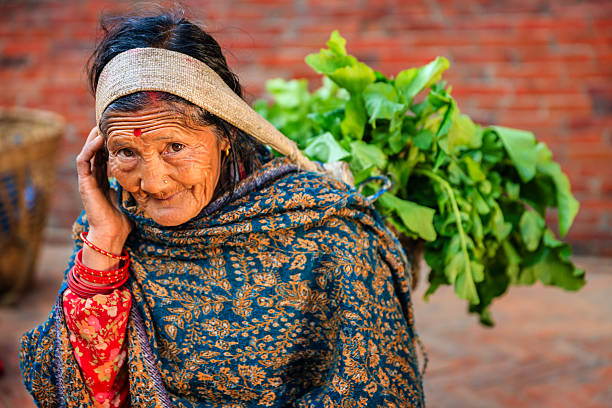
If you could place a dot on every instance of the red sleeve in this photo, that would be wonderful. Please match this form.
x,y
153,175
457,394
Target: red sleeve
x,y
97,333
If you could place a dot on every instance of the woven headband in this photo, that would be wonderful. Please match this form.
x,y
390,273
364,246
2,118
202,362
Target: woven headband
x,y
158,69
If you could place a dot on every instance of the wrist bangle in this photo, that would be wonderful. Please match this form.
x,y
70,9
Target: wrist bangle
x,y
78,260
122,257
110,280
82,289
96,276
106,288
81,279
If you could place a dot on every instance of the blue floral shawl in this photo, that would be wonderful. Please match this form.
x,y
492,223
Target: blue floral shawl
x,y
290,293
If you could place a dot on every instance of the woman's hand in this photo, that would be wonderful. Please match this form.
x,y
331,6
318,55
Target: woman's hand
x,y
108,226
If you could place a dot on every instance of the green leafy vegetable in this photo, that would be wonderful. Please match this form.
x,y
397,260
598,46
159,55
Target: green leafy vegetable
x,y
521,147
417,218
477,196
326,149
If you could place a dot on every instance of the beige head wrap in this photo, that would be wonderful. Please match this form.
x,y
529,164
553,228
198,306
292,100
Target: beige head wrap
x,y
158,69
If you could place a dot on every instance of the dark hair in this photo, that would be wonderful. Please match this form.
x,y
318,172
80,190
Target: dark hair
x,y
172,31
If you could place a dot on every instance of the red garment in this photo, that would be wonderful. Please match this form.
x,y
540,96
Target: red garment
x,y
97,332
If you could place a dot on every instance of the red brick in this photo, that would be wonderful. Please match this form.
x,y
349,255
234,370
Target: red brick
x,y
512,72
602,24
526,120
591,8
474,57
551,22
597,205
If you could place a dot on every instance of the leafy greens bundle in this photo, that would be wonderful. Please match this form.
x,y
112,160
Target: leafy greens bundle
x,y
476,195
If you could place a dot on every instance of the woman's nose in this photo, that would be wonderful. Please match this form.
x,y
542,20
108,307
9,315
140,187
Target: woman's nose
x,y
154,177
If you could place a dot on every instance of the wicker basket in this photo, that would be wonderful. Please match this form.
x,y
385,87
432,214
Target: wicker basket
x,y
29,141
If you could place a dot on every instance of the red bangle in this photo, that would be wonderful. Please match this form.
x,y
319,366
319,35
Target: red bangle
x,y
96,276
94,272
88,285
122,257
76,289
81,278
95,279
82,289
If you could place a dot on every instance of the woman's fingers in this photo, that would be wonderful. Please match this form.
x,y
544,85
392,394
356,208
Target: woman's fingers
x,y
92,145
92,134
88,186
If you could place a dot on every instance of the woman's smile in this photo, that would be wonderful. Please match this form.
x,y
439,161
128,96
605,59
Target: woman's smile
x,y
168,197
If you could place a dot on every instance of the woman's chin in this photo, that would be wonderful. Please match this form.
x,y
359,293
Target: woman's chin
x,y
171,217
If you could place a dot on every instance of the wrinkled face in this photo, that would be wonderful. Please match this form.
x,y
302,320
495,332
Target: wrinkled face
x,y
171,170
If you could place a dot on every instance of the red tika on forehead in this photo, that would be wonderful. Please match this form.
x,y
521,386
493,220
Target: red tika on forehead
x,y
154,95
137,132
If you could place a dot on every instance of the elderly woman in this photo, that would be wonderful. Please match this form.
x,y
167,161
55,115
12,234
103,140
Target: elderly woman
x,y
210,273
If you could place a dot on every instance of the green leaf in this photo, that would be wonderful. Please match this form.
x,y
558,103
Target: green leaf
x,y
454,267
325,149
463,132
424,139
441,160
550,240
532,228
435,280
438,97
498,225
465,287
409,83
477,271
403,81
328,121
363,174
457,175
567,204
415,217
365,155
473,169
396,141
481,205
485,318
336,43
343,69
477,230
289,94
511,253
353,78
554,270
381,102
354,121
327,61
446,124
521,147
512,189
401,171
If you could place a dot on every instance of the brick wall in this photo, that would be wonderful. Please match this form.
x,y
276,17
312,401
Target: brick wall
x,y
545,66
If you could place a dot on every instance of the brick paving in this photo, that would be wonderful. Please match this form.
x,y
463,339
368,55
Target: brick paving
x,y
550,348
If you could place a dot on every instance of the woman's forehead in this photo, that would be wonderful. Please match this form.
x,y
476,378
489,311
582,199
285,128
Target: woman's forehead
x,y
148,121
142,117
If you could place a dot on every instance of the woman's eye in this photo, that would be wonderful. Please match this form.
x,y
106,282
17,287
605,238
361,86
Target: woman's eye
x,y
176,147
125,153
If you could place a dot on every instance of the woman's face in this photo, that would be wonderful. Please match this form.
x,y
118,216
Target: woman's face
x,y
171,170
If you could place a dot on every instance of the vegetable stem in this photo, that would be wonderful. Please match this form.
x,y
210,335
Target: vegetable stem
x,y
451,195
